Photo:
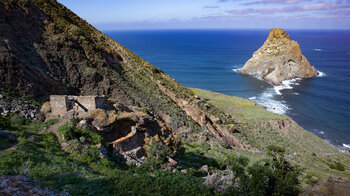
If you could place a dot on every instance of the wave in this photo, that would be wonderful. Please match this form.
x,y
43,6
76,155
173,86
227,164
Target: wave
x,y
236,67
267,100
286,84
343,148
321,74
236,70
318,49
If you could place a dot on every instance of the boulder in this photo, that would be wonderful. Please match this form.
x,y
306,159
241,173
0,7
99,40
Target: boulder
x,y
101,119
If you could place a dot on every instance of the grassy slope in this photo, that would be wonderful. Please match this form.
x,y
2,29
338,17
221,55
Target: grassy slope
x,y
259,130
38,156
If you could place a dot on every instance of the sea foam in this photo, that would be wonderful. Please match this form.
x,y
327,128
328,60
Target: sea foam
x,y
237,67
321,74
268,101
235,70
286,84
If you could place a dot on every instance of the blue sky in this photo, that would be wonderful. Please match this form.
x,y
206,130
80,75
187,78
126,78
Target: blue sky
x,y
207,14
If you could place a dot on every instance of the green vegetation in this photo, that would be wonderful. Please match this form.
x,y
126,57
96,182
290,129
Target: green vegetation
x,y
82,143
266,131
5,143
158,154
274,176
41,158
70,132
240,108
337,165
18,123
82,171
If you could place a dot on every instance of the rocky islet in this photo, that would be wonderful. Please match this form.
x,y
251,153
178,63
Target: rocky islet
x,y
279,59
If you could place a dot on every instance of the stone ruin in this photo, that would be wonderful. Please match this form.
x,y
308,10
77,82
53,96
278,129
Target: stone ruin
x,y
127,128
61,105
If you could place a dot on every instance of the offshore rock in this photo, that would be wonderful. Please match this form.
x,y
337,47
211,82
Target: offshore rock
x,y
279,59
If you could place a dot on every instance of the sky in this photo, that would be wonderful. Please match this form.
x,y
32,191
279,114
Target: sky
x,y
213,14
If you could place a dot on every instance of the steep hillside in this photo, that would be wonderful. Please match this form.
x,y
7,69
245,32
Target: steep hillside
x,y
46,49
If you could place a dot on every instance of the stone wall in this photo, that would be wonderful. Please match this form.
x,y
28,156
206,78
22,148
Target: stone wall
x,y
59,105
80,105
85,104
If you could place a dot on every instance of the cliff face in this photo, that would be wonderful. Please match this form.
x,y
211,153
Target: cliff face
x,y
279,59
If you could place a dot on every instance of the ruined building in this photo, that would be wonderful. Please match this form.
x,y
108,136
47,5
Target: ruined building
x,y
77,105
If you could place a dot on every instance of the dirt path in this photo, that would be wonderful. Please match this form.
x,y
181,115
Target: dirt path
x,y
54,129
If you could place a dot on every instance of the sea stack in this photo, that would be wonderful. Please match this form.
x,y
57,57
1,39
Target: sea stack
x,y
279,59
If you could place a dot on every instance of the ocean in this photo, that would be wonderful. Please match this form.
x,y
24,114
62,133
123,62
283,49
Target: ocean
x,y
207,59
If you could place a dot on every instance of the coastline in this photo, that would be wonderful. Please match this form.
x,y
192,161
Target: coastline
x,y
267,101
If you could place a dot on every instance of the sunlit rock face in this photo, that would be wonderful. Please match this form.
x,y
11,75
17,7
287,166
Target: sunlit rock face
x,y
279,59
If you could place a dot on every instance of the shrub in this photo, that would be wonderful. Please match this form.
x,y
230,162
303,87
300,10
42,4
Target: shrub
x,y
18,120
238,165
69,131
274,176
157,154
4,123
276,149
337,166
22,134
5,143
311,180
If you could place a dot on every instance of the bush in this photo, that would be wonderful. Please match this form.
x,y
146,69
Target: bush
x,y
4,123
274,176
238,165
22,134
69,131
157,154
15,120
5,143
276,149
337,166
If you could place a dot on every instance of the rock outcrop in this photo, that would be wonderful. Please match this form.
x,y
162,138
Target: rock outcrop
x,y
15,105
21,185
279,59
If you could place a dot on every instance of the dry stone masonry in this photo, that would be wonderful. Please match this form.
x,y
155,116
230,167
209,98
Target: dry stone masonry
x,y
62,104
